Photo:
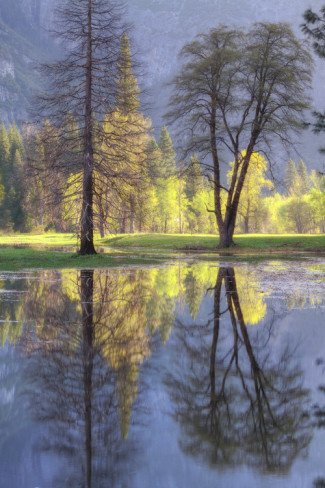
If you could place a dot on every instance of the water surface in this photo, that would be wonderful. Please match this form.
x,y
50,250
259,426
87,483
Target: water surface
x,y
194,374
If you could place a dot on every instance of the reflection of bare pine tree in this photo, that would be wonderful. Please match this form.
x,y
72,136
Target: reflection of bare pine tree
x,y
242,404
84,400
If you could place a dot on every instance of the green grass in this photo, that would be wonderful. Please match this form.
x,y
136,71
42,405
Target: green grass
x,y
28,251
244,243
42,240
15,259
172,242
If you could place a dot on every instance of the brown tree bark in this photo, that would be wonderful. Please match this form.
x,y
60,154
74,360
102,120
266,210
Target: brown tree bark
x,y
87,297
87,215
132,214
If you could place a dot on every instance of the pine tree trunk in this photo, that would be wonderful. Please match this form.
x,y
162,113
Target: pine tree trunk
x,y
101,217
87,217
87,299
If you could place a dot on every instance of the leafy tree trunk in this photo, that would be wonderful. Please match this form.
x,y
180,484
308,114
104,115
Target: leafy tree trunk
x,y
101,226
226,233
132,214
87,215
247,220
123,223
246,225
226,225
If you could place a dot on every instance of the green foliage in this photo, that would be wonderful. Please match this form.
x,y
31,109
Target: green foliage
x,y
194,178
168,153
250,210
301,210
12,184
128,89
154,198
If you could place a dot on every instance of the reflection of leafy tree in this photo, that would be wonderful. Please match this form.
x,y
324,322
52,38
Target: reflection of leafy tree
x,y
319,413
237,402
319,483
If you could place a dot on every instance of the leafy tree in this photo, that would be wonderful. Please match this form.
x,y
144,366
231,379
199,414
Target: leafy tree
x,y
314,28
128,133
168,162
13,214
317,202
251,198
304,181
291,177
297,213
154,160
193,177
127,85
167,195
16,192
238,92
4,160
199,219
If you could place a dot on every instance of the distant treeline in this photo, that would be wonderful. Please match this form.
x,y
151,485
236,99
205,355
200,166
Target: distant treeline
x,y
169,197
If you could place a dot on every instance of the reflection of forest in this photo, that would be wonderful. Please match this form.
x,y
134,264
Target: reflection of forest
x,y
87,333
235,399
92,334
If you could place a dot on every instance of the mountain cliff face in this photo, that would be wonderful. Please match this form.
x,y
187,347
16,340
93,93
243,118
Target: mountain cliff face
x,y
22,44
161,27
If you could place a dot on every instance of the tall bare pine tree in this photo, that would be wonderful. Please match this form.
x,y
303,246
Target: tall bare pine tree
x,y
82,85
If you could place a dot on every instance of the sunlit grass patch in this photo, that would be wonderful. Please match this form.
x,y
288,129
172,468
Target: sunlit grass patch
x,y
210,242
53,250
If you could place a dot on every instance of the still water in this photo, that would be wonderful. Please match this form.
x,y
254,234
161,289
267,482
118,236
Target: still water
x,y
195,374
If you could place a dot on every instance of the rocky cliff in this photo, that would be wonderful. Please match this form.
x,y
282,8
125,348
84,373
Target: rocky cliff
x,y
161,27
22,44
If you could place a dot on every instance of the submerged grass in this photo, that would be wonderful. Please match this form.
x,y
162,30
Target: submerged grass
x,y
25,251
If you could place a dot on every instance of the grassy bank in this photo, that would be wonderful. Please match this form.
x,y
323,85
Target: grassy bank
x,y
15,259
173,242
244,243
27,251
